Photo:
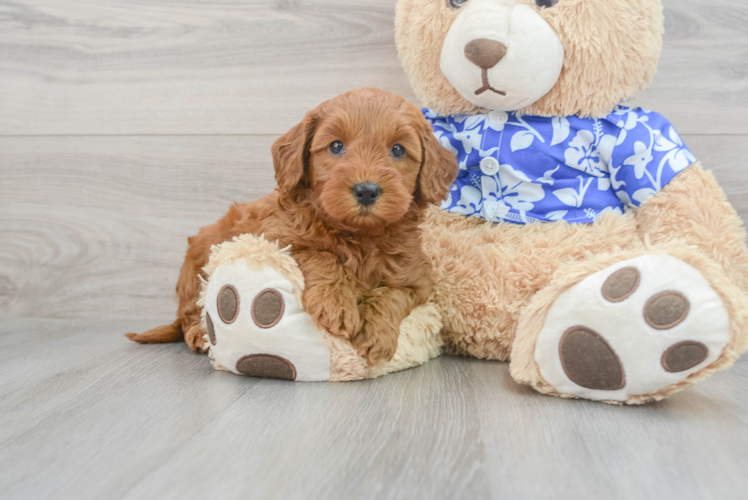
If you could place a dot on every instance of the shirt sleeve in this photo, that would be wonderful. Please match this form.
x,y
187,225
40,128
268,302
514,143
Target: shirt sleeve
x,y
649,153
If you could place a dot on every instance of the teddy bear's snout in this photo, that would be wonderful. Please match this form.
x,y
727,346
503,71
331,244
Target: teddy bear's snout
x,y
485,53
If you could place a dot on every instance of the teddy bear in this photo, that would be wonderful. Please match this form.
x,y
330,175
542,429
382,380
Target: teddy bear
x,y
582,241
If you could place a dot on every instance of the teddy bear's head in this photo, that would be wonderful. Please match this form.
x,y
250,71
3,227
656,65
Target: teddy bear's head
x,y
544,57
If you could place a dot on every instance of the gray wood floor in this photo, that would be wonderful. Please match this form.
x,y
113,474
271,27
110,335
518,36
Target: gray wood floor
x,y
125,126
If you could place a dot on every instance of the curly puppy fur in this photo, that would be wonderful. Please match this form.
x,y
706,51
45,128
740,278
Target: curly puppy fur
x,y
363,265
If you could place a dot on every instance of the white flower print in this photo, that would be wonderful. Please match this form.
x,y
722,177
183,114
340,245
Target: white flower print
x,y
509,189
677,157
640,159
590,154
643,195
548,176
471,135
572,197
629,121
524,138
561,130
557,215
444,141
615,182
470,201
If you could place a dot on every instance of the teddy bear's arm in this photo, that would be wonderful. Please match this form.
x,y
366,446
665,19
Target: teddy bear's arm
x,y
693,208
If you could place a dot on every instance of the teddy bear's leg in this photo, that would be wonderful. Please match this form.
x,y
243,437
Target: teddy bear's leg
x,y
252,313
693,209
637,325
485,273
630,327
256,324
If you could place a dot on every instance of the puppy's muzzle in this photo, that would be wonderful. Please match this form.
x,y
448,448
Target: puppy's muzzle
x,y
366,193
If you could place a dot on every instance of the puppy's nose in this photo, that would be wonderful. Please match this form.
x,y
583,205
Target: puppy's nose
x,y
485,53
367,193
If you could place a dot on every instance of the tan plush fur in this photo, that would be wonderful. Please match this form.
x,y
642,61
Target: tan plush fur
x,y
693,209
486,273
525,370
493,281
611,52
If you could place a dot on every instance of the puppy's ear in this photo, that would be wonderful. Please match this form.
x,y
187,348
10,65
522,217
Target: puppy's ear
x,y
438,168
291,153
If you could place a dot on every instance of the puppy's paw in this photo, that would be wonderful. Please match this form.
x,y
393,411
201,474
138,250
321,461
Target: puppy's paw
x,y
376,342
194,336
334,314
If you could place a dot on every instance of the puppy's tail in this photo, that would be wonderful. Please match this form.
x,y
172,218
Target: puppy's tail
x,y
160,335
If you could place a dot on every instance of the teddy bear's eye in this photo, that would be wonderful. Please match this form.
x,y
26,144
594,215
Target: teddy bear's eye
x,y
458,4
546,4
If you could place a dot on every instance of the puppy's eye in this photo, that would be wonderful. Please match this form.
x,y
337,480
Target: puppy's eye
x,y
546,4
397,151
458,4
337,148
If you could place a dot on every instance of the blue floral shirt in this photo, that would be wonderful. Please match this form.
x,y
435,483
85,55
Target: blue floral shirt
x,y
521,169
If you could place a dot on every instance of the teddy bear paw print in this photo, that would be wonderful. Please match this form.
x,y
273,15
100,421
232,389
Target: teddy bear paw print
x,y
634,329
256,326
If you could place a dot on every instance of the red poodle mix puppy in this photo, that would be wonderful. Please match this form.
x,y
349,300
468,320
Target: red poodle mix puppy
x,y
354,178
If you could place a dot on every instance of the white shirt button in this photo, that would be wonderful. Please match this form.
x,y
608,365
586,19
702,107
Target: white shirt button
x,y
499,117
491,210
489,166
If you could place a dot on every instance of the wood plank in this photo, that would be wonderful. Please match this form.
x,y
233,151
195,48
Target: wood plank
x,y
109,217
90,415
255,67
702,81
96,227
725,156
187,67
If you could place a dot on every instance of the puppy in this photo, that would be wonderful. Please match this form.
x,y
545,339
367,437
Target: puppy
x,y
354,178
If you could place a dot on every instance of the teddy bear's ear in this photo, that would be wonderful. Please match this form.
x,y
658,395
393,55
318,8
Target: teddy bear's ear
x,y
291,153
438,168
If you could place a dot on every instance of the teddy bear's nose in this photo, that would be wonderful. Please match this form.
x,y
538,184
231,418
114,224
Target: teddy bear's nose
x,y
485,53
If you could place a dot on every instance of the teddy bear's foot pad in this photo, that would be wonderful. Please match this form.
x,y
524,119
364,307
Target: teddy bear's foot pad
x,y
256,325
266,366
634,329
